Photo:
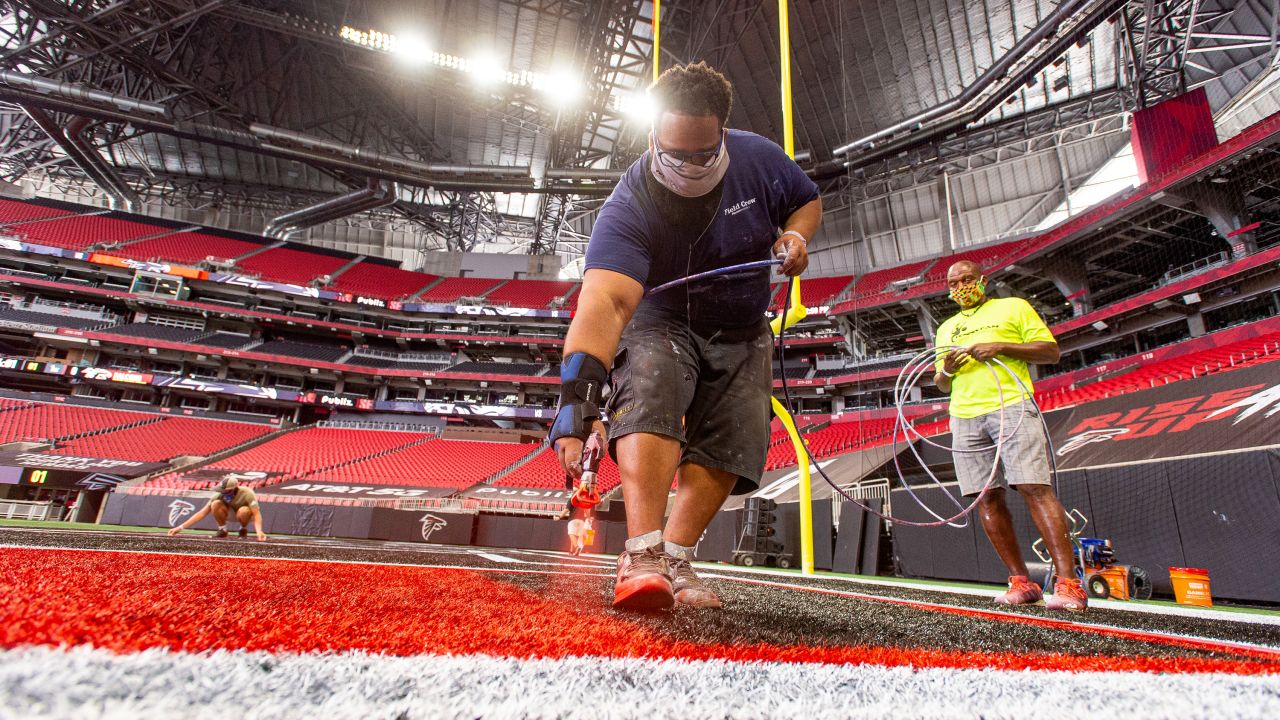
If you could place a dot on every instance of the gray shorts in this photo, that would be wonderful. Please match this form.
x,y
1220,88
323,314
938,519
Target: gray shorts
x,y
1024,458
709,392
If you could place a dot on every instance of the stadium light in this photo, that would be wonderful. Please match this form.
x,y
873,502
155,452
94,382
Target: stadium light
x,y
638,106
563,86
372,39
413,50
486,71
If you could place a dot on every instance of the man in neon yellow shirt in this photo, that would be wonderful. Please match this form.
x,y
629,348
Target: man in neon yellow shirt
x,y
1008,329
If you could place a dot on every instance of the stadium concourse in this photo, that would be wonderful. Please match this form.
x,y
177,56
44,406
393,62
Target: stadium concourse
x,y
322,260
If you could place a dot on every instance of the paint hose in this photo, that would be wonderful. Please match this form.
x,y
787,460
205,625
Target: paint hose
x,y
908,377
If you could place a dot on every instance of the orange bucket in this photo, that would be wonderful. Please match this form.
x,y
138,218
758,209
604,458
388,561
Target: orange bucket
x,y
1191,586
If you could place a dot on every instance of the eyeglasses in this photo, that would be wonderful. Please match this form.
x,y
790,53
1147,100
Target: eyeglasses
x,y
677,159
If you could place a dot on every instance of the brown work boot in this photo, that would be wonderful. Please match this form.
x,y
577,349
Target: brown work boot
x,y
690,589
642,580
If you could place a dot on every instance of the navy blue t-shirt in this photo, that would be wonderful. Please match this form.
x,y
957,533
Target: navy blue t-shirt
x,y
638,235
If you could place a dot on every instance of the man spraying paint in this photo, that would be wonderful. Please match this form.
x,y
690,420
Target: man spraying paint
x,y
1010,329
691,370
230,497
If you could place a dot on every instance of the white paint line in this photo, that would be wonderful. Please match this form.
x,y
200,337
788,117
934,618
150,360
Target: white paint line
x,y
605,561
7,546
96,684
1073,623
557,557
501,558
1175,611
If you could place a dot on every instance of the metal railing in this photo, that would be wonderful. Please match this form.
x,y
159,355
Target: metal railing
x,y
427,357
25,510
1195,267
1231,361
871,489
466,505
378,425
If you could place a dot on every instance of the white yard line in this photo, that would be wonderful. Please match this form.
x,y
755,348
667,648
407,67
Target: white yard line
x,y
1175,611
501,558
375,563
88,684
1064,621
557,559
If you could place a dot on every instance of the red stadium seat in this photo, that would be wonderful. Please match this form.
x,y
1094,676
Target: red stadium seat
x,y
301,452
1183,367
877,281
16,211
82,231
571,302
187,247
287,265
814,292
436,464
164,440
451,289
529,293
43,422
834,439
544,472
381,281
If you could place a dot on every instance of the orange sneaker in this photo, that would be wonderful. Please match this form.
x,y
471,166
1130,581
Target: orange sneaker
x,y
642,581
1021,592
1068,595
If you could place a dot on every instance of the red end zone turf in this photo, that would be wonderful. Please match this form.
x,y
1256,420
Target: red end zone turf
x,y
128,602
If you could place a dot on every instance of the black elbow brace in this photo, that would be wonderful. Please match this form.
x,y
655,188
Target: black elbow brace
x,y
582,379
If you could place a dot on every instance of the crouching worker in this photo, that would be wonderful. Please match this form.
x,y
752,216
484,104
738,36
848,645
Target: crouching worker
x,y
230,498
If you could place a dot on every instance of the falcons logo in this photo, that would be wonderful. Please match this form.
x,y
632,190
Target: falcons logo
x,y
1088,437
1268,399
430,524
179,509
99,481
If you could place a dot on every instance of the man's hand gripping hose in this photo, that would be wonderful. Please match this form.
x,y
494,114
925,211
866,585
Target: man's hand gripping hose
x,y
585,493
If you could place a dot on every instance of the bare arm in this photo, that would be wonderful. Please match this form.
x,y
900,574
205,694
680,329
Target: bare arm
x,y
257,521
805,221
200,515
605,305
942,382
951,363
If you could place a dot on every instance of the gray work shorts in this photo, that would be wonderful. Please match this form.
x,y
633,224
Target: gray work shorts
x,y
1024,458
709,392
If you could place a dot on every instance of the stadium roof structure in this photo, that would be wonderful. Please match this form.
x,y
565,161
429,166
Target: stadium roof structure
x,y
504,123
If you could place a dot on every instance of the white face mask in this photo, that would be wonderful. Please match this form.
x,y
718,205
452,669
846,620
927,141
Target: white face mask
x,y
691,180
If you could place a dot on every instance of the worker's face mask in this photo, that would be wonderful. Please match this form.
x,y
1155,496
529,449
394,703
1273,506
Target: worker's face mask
x,y
967,295
688,175
228,496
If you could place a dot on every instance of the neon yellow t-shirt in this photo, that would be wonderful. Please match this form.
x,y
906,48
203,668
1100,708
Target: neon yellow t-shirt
x,y
974,391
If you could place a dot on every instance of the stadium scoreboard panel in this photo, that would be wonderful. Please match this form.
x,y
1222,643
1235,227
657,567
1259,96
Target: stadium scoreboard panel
x,y
42,470
57,479
61,479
